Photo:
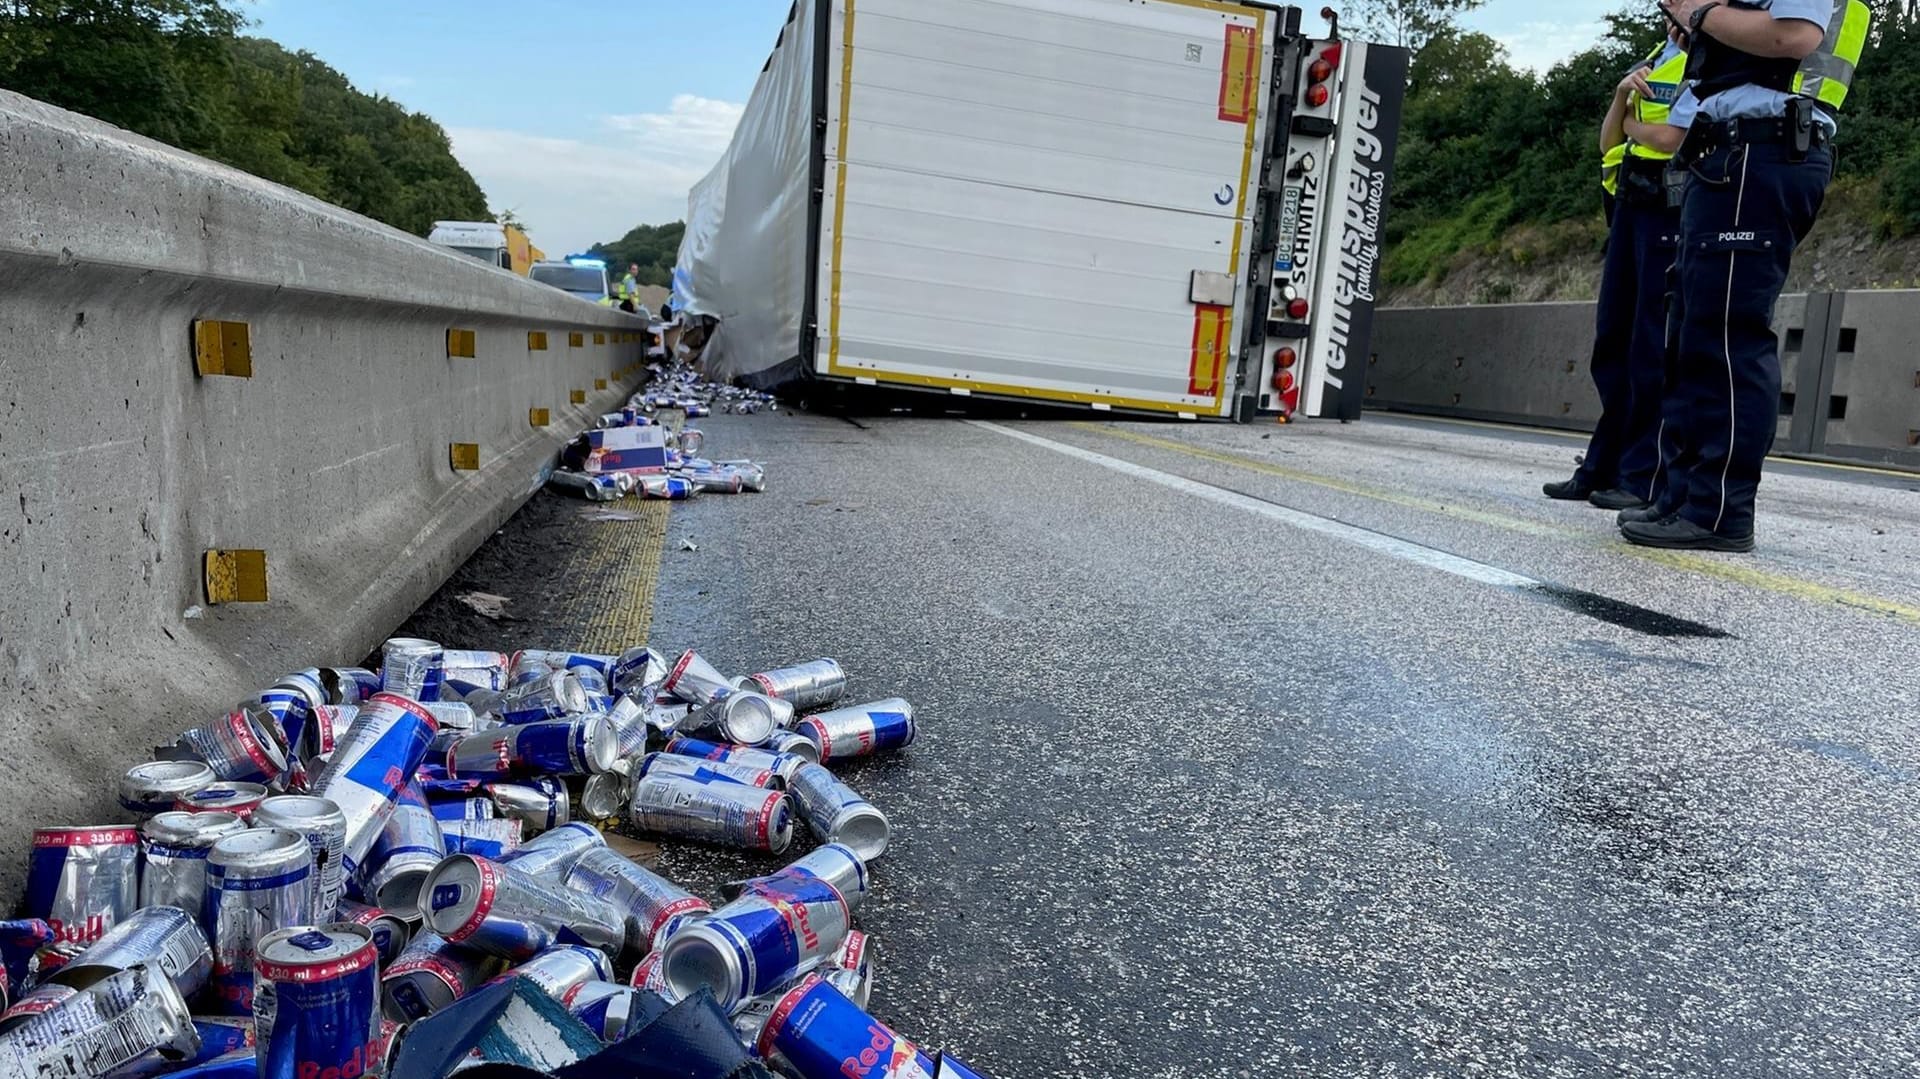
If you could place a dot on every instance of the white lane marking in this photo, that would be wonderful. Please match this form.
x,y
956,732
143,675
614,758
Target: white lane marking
x,y
1378,542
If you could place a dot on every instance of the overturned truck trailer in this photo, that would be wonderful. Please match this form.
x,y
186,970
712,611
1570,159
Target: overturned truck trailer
x,y
1165,206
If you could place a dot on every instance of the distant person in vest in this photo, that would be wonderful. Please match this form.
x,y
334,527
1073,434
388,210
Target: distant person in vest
x,y
1629,338
632,281
1765,83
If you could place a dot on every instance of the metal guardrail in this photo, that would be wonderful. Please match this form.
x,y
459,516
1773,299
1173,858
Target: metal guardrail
x,y
1850,370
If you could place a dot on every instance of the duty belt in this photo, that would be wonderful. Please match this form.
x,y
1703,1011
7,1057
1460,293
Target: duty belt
x,y
1741,132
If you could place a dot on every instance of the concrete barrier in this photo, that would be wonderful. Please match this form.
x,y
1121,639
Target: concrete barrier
x,y
1850,386
120,466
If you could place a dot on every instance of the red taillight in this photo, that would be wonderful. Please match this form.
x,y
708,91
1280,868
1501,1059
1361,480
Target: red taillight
x,y
1285,358
1319,71
1297,310
1317,95
1332,53
1283,382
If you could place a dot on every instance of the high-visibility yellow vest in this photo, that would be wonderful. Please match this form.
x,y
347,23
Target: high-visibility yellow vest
x,y
1664,80
1827,75
1610,164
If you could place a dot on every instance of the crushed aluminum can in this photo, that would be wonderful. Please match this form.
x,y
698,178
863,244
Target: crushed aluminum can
x,y
459,809
820,1034
155,786
581,745
563,968
835,863
257,882
636,671
239,799
694,680
594,487
540,805
780,927
647,975
703,770
861,729
555,696
723,814
82,881
782,765
631,731
850,968
318,821
837,814
317,1002
175,847
666,488
20,940
464,671
793,744
330,724
409,847
506,912
605,796
652,905
411,668
349,685
454,716
389,932
245,745
432,973
164,938
131,1021
611,1010
221,1035
716,480
36,1002
553,853
736,716
493,839
375,759
815,684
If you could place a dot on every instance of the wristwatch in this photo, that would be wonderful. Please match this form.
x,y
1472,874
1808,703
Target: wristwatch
x,y
1700,17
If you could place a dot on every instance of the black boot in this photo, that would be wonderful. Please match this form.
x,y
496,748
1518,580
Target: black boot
x,y
1676,533
1618,499
1573,490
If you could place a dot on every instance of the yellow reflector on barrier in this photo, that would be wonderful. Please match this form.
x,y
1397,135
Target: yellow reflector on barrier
x,y
465,456
461,344
579,397
539,417
599,338
236,576
222,348
536,341
575,340
599,383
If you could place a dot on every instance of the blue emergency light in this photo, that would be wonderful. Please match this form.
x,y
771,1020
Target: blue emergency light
x,y
591,264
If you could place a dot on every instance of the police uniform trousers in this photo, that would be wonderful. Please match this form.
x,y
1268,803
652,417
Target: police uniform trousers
x,y
1629,347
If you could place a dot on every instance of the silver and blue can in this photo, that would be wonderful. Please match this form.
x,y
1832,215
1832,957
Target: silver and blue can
x,y
667,488
175,847
411,668
390,933
611,1010
553,696
239,799
782,765
553,853
375,759
318,821
724,814
349,685
165,938
794,744
317,1003
836,813
780,927
82,881
705,770
838,865
820,1034
245,745
466,672
432,973
581,745
257,883
540,804
563,968
506,912
410,845
155,786
815,684
461,809
653,906
861,729
493,838
636,670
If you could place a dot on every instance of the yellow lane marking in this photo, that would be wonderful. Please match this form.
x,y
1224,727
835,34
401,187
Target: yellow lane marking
x,y
1752,577
615,575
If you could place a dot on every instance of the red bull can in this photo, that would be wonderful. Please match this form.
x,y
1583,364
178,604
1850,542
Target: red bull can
x,y
349,685
318,821
582,745
412,668
466,672
317,1003
36,1002
666,488
239,799
503,911
432,973
390,934
861,729
628,718
604,796
610,1009
221,1035
653,906
782,765
694,680
850,969
492,839
792,744
539,805
374,761
459,809
175,847
780,927
705,770
724,814
647,975
560,970
835,863
257,883
166,938
155,786
131,1022
551,854
807,686
410,845
637,672
555,695
837,814
330,724
820,1034
454,716
246,745
736,716
82,881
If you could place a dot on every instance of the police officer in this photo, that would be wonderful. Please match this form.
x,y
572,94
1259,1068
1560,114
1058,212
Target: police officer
x,y
1636,143
1765,81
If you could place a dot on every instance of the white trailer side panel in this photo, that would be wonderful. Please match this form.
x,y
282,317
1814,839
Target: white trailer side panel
x,y
1018,195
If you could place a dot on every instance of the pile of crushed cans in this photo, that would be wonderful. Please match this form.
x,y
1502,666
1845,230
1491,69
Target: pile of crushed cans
x,y
600,468
682,386
404,872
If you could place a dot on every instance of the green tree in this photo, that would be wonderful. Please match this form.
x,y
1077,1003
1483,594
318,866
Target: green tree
x,y
655,247
1411,22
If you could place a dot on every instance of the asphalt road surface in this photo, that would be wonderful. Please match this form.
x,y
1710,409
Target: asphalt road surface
x,y
1328,751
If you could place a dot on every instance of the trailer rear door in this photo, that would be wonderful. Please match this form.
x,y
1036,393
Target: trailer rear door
x,y
1043,198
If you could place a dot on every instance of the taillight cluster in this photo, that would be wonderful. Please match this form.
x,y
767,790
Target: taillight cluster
x,y
1320,73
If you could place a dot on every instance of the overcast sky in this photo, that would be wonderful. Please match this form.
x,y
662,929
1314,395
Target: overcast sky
x,y
522,88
